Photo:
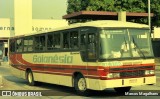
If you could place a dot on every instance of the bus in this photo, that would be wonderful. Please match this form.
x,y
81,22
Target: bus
x,y
88,56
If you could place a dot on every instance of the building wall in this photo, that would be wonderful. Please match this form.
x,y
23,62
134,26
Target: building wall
x,y
47,24
21,23
22,16
37,25
5,28
156,33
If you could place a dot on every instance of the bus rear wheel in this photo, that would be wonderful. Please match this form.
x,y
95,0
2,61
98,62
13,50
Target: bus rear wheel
x,y
80,85
30,78
122,89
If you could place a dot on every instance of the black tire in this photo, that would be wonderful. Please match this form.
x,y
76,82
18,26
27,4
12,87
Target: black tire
x,y
80,85
30,78
150,84
122,90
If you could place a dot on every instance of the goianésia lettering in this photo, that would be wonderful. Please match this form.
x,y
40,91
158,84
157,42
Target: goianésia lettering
x,y
52,59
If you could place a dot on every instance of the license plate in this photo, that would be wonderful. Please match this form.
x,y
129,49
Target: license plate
x,y
132,80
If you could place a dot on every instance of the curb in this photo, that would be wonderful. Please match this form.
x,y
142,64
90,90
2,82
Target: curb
x,y
157,67
157,81
4,63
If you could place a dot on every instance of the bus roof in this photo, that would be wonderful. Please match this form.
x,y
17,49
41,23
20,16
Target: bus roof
x,y
111,23
100,23
105,23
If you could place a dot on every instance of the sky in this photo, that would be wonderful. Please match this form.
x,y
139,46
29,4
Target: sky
x,y
41,9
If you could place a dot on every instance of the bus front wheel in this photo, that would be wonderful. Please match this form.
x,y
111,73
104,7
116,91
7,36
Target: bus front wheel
x,y
122,89
30,78
80,85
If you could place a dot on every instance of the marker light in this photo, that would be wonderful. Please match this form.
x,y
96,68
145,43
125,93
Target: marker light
x,y
148,72
113,75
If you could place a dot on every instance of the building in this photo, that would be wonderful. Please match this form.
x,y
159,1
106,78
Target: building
x,y
7,31
22,23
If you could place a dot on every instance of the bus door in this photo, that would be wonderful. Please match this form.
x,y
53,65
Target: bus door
x,y
89,48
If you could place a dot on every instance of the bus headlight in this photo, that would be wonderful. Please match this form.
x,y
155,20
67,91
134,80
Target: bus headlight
x,y
152,72
147,72
113,75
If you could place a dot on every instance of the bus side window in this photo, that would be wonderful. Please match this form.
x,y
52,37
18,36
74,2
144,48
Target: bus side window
x,y
50,43
19,45
37,43
83,41
74,40
91,46
83,51
12,45
66,40
40,43
28,44
57,42
25,44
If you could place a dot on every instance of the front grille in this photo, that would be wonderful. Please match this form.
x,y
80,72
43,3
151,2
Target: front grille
x,y
137,71
131,68
132,73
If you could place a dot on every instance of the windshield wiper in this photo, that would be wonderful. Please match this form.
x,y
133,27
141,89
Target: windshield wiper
x,y
136,46
124,47
125,42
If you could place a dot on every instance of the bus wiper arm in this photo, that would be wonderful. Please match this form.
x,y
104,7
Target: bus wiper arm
x,y
125,42
138,47
125,46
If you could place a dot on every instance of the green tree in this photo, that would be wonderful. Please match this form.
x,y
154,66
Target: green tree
x,y
74,6
100,5
130,5
155,8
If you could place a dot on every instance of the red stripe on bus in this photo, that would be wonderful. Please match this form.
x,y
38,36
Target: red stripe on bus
x,y
88,71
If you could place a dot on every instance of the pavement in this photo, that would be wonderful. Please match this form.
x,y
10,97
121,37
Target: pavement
x,y
157,61
1,81
4,64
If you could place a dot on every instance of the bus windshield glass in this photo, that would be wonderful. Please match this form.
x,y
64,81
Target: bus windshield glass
x,y
125,43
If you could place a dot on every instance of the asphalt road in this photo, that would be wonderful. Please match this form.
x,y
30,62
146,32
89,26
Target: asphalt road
x,y
12,83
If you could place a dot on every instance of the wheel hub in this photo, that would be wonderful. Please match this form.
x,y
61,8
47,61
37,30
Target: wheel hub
x,y
82,84
30,77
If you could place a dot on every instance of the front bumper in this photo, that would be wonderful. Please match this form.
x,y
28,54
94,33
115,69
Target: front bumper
x,y
95,84
127,82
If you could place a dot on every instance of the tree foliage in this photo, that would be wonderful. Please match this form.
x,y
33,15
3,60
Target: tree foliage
x,y
116,6
155,8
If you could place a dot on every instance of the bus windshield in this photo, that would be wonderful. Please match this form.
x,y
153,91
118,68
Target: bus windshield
x,y
125,43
